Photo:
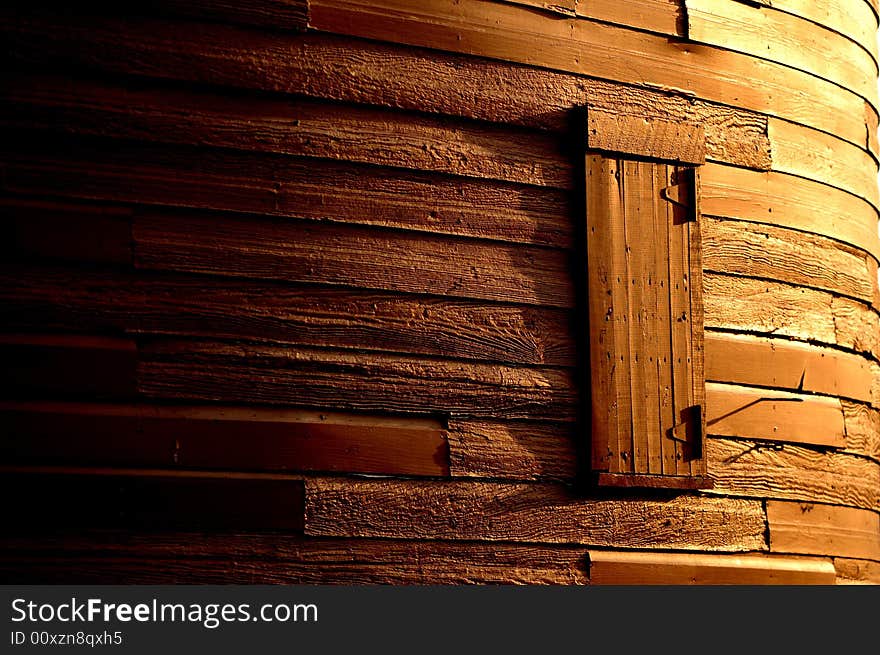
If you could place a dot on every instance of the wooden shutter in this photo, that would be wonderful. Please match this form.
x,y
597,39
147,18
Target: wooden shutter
x,y
645,322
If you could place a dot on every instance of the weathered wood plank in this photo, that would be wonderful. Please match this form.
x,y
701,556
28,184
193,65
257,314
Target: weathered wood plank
x,y
852,19
760,306
856,571
824,158
364,257
219,438
663,210
87,366
620,444
862,429
349,380
793,473
604,306
37,228
40,298
528,512
288,126
661,16
786,39
287,186
633,176
781,364
772,415
766,251
763,306
351,70
197,558
512,450
511,33
621,568
856,326
48,500
811,529
789,201
644,137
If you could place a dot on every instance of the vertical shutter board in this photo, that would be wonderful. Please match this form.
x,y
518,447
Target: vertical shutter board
x,y
665,366
602,194
623,371
621,446
698,459
680,333
638,328
651,325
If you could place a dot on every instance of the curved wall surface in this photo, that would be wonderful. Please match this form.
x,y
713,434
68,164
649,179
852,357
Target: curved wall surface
x,y
293,290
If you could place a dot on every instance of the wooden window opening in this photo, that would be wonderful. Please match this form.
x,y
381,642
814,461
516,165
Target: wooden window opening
x,y
645,302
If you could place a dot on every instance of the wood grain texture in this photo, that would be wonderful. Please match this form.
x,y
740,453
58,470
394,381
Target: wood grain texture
x,y
771,415
159,500
65,299
789,201
781,364
346,69
786,39
855,20
824,158
760,306
528,512
239,438
855,327
621,568
661,16
180,370
795,257
512,450
352,256
812,529
287,186
856,571
287,126
793,473
619,133
84,366
510,33
862,429
233,558
773,308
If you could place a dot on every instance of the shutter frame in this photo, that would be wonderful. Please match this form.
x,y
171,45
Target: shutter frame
x,y
644,269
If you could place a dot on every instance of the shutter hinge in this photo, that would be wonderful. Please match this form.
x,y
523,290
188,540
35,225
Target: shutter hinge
x,y
682,194
690,430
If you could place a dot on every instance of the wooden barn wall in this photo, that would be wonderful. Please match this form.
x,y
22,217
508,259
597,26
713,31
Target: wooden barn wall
x,y
290,291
